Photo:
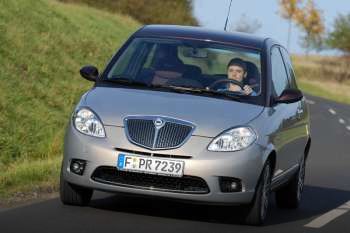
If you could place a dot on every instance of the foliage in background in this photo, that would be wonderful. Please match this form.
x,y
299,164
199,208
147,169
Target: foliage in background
x,y
288,10
309,18
148,11
339,37
43,45
247,25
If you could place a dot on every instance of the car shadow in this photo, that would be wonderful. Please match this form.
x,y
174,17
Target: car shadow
x,y
316,201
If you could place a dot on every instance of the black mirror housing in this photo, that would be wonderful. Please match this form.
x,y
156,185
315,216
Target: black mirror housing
x,y
289,96
89,73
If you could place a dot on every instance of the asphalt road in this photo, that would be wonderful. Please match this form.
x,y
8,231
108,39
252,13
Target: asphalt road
x,y
325,206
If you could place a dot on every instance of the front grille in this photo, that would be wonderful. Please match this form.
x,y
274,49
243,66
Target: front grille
x,y
185,184
172,135
143,132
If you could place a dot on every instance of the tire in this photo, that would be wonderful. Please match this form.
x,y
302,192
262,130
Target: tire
x,y
289,196
256,212
71,194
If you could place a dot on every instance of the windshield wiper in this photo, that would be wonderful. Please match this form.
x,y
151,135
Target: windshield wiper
x,y
229,94
129,81
126,81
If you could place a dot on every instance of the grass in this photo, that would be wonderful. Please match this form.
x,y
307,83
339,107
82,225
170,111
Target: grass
x,y
30,176
43,45
338,92
327,77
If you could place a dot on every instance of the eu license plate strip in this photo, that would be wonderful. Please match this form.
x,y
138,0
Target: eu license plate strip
x,y
150,165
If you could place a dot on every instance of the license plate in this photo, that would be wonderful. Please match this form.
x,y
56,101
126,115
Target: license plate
x,y
150,165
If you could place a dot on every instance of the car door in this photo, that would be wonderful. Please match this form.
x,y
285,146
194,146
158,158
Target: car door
x,y
284,116
301,126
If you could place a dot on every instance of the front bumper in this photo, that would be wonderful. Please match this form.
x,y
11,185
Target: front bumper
x,y
245,165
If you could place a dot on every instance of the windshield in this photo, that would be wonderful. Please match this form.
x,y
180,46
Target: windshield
x,y
192,64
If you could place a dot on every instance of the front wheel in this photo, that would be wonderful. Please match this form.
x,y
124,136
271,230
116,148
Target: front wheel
x,y
256,212
290,195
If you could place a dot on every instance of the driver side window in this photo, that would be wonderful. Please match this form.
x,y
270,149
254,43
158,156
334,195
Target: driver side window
x,y
279,74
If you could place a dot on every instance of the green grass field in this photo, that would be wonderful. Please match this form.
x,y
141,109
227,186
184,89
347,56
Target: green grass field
x,y
338,92
328,77
43,43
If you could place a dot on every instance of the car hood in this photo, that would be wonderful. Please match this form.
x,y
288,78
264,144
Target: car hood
x,y
210,115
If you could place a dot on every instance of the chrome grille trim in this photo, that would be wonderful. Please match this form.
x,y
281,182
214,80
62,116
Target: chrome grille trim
x,y
166,135
142,131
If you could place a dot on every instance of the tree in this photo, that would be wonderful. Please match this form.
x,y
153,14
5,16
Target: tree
x,y
247,25
288,10
339,38
310,20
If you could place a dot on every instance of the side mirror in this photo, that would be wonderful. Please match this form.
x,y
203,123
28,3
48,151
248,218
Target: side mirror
x,y
89,73
289,96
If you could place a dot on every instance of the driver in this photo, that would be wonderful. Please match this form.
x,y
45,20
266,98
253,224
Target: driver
x,y
237,71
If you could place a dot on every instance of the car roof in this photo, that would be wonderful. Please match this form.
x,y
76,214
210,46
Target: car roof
x,y
201,33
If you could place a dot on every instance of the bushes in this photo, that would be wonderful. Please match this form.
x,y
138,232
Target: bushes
x,y
148,11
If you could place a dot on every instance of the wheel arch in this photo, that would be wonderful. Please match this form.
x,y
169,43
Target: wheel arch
x,y
270,155
307,148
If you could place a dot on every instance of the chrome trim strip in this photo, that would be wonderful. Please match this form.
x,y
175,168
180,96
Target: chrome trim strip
x,y
284,177
285,173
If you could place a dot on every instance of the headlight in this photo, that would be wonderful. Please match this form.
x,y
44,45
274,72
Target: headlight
x,y
86,122
233,140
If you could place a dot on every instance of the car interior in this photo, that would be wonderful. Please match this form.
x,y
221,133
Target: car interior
x,y
167,68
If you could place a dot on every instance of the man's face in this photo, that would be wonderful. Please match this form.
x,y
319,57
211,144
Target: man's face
x,y
236,73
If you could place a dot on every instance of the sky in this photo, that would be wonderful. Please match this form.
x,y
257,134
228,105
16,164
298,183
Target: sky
x,y
212,14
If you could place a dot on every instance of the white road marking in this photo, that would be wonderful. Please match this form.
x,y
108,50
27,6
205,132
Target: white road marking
x,y
332,111
348,127
310,101
329,216
341,121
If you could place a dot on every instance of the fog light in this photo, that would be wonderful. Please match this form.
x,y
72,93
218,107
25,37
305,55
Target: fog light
x,y
234,185
77,166
229,184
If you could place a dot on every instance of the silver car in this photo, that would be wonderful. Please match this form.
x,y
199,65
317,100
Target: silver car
x,y
193,115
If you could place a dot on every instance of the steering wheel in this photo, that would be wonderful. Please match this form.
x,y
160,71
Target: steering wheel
x,y
211,86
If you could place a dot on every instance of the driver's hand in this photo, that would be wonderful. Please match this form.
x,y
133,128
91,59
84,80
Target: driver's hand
x,y
247,90
234,87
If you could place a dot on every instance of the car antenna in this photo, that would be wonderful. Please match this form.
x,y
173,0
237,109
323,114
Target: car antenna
x,y
228,13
